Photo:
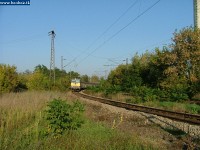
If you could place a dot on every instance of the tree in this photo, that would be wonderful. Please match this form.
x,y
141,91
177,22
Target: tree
x,y
42,69
84,78
186,48
38,81
94,79
140,71
22,86
60,73
116,76
172,72
126,77
8,78
177,67
62,83
73,74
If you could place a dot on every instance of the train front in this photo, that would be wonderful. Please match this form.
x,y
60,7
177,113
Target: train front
x,y
75,84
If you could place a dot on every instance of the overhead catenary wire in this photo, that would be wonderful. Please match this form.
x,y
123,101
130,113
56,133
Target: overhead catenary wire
x,y
117,20
116,33
105,31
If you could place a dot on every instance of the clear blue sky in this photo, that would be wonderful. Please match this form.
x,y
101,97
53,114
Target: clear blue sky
x,y
24,40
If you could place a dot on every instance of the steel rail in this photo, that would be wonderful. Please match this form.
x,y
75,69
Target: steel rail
x,y
184,117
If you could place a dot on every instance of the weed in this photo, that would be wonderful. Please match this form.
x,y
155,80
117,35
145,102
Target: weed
x,y
23,126
62,116
193,108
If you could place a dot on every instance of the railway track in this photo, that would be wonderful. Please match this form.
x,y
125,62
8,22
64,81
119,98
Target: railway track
x,y
184,117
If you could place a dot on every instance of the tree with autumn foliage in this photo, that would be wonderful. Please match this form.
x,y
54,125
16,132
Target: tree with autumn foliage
x,y
37,81
173,71
186,51
8,78
180,64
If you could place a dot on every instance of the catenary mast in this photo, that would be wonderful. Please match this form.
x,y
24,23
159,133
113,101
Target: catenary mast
x,y
197,14
52,60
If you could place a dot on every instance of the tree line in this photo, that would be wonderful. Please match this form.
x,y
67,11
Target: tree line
x,y
12,81
170,73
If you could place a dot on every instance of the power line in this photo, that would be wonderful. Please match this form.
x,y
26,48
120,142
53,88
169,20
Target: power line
x,y
116,33
107,29
117,20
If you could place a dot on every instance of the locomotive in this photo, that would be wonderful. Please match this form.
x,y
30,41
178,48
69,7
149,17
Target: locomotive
x,y
77,85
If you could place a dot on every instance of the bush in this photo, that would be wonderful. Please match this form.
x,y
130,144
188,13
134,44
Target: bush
x,y
175,94
94,89
62,116
112,90
145,93
178,93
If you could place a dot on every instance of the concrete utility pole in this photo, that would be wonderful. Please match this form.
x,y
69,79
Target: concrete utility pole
x,y
197,13
52,75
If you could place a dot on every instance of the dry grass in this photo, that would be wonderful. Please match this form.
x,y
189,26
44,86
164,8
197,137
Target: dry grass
x,y
20,114
197,96
18,106
28,101
22,126
119,96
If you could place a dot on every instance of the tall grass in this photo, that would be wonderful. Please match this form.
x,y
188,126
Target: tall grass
x,y
95,136
20,115
175,106
23,126
167,105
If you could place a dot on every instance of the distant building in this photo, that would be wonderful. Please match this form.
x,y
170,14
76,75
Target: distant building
x,y
197,14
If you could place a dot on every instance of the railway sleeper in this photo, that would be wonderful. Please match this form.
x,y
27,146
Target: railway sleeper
x,y
190,118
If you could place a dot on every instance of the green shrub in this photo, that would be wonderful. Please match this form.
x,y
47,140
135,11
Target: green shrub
x,y
144,93
178,92
178,96
166,105
193,108
62,116
112,89
94,89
